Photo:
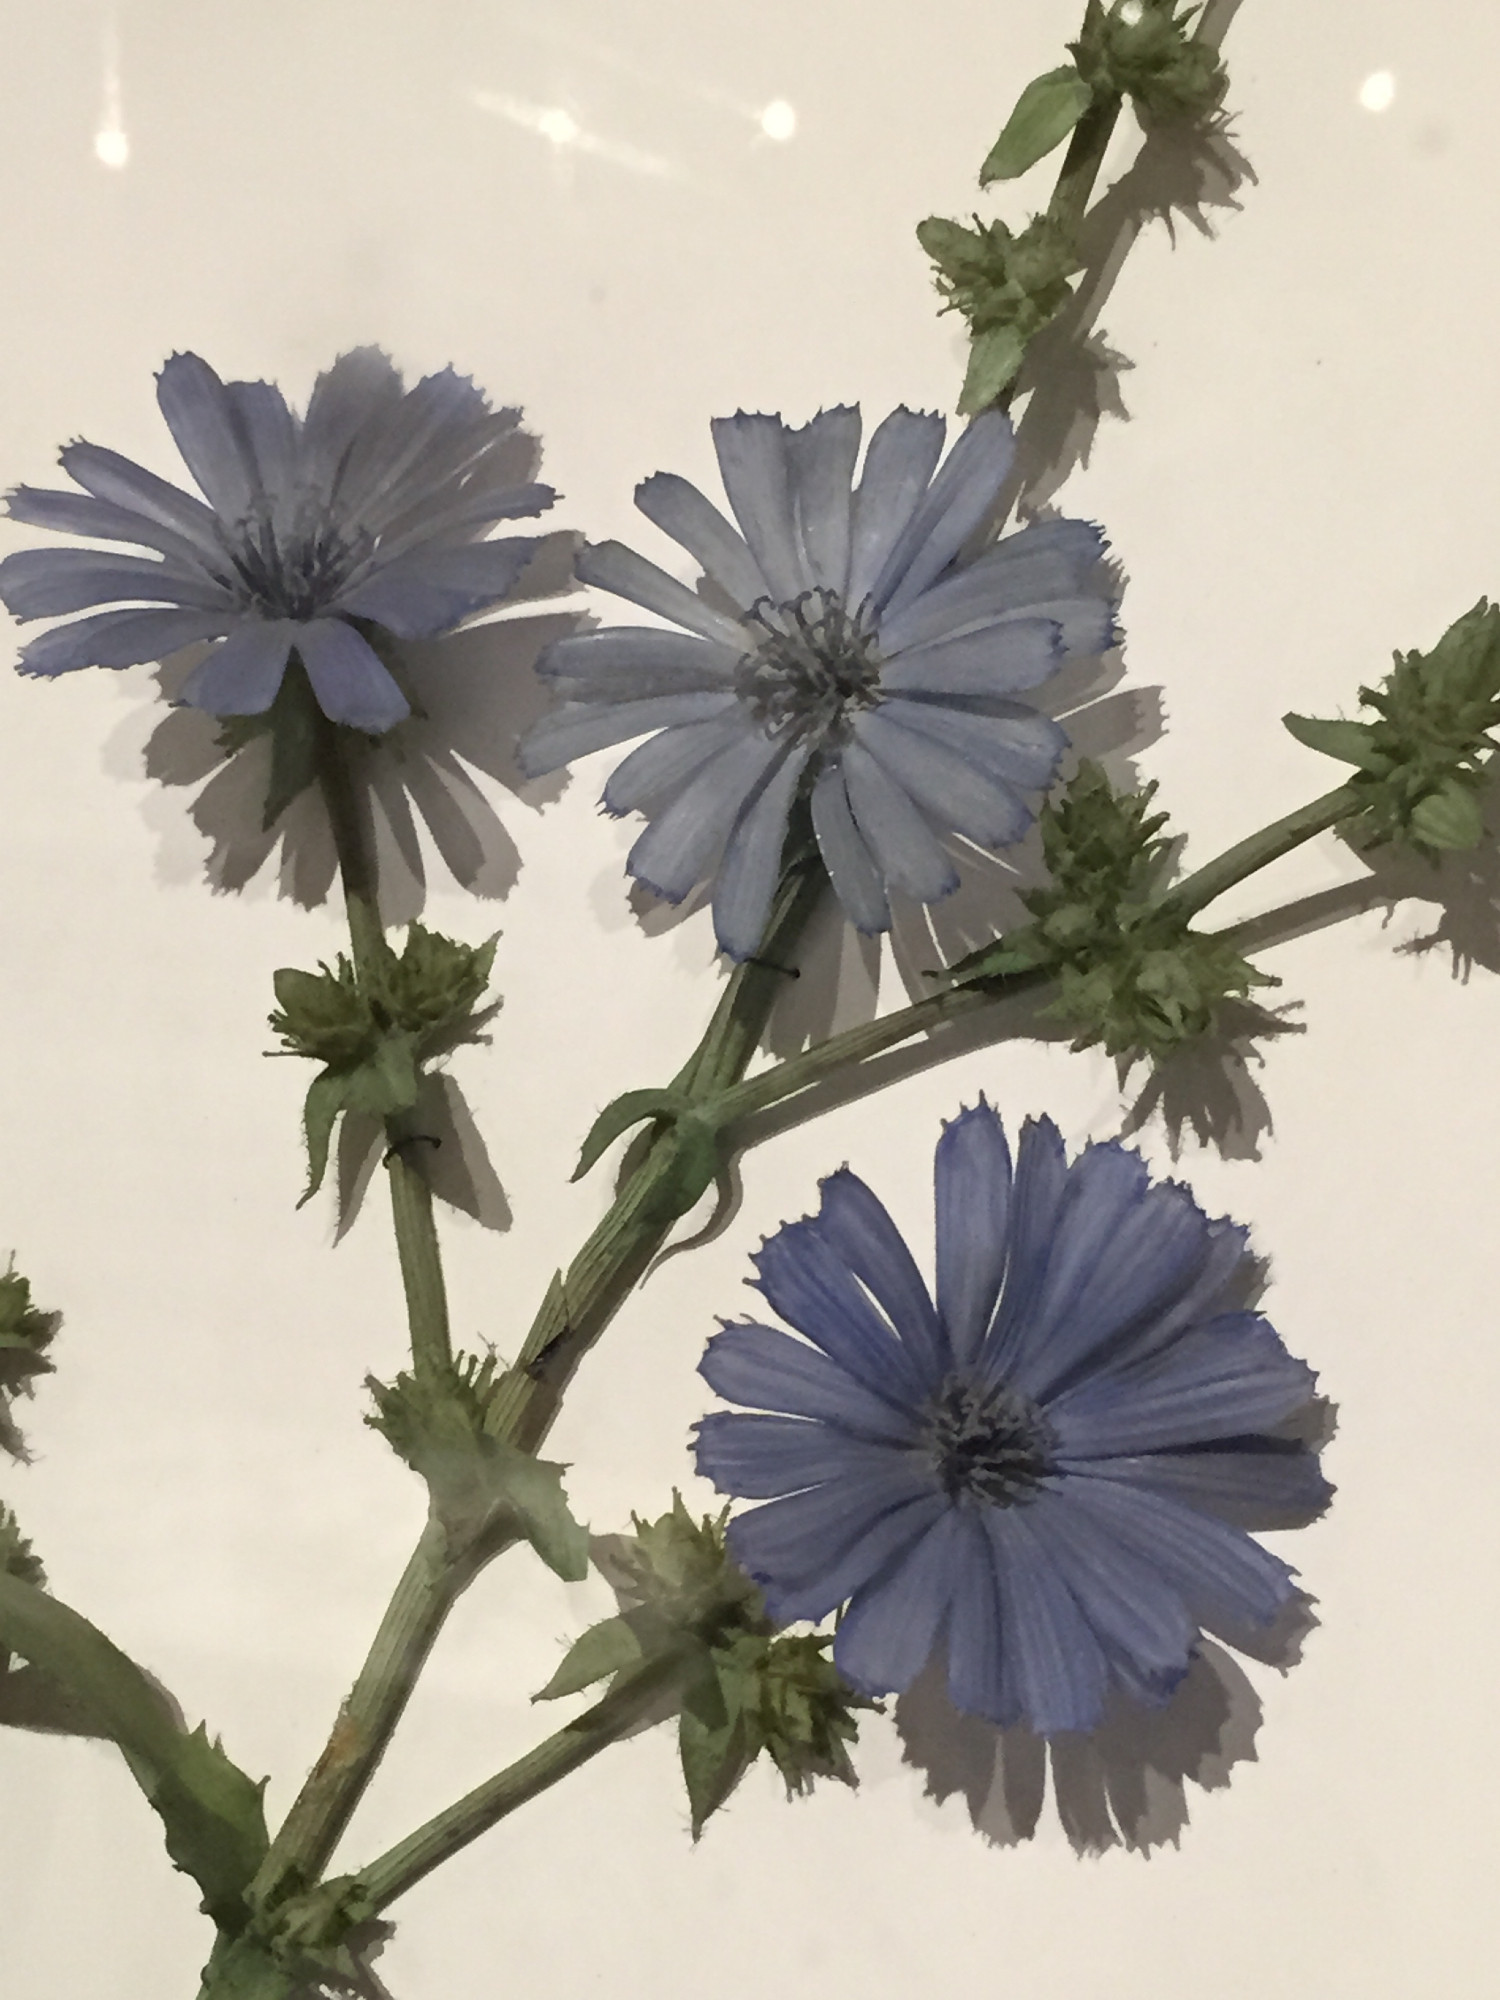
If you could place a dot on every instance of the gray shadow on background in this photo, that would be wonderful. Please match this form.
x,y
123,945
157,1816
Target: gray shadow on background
x,y
1125,1785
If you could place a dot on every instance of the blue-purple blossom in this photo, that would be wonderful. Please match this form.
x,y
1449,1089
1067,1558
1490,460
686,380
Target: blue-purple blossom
x,y
1050,1468
843,648
370,507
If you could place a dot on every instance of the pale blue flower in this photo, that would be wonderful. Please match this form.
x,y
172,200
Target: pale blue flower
x,y
843,648
371,507
1050,1469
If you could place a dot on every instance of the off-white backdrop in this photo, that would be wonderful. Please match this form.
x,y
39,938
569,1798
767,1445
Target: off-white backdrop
x,y
586,204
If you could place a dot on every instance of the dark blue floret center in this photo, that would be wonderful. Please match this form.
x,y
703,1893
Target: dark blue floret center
x,y
987,1444
815,664
298,577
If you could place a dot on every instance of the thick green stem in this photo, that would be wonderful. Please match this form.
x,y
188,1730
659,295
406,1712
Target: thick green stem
x,y
1197,890
421,1258
1082,161
633,1698
428,1588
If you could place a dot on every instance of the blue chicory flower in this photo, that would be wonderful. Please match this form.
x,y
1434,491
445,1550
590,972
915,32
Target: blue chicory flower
x,y
842,648
371,506
1050,1469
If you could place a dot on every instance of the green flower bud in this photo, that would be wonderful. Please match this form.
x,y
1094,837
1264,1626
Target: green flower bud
x,y
1007,287
25,1335
1424,759
1144,50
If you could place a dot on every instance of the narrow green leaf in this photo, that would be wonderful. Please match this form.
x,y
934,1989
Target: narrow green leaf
x,y
1449,818
1046,112
1350,742
619,1116
994,358
715,1756
694,1167
214,1819
533,1489
947,242
603,1650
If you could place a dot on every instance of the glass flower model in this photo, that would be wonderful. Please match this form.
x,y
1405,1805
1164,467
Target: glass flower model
x,y
842,648
372,506
1050,1469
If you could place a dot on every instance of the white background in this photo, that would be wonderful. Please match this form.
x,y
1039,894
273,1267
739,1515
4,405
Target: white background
x,y
1309,478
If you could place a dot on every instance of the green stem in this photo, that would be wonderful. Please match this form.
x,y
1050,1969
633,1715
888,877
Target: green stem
x,y
631,1700
324,1806
1082,161
1260,849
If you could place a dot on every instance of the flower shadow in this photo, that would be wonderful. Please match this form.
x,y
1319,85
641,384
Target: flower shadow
x,y
1128,1784
474,694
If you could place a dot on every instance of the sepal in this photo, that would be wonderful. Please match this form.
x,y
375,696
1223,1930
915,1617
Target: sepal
x,y
447,1428
1146,51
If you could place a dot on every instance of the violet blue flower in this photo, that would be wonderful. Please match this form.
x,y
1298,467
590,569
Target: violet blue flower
x,y
1051,1469
372,507
841,649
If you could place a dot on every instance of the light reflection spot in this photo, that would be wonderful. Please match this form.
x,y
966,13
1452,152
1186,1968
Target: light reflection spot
x,y
111,146
1378,91
778,120
560,126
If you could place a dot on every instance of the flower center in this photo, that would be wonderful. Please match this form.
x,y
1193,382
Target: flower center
x,y
815,662
294,574
987,1443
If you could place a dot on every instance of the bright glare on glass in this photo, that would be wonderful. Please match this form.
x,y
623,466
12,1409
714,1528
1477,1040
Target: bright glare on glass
x,y
1131,12
778,120
1378,91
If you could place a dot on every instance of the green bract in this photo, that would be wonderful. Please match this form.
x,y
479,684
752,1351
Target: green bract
x,y
1425,758
1132,978
744,1690
373,1027
25,1334
1006,286
1046,112
448,1427
1146,52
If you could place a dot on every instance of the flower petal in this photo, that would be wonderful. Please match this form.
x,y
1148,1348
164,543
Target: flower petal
x,y
430,590
886,1636
1123,1252
696,524
997,659
1249,1482
953,507
647,778
981,1680
851,867
947,788
1052,1659
122,483
119,639
860,1233
42,583
753,464
1226,1580
1048,565
349,678
578,728
762,1458
900,461
271,434
811,1288
971,1190
811,1551
768,1370
1139,1619
241,677
745,886
362,387
681,845
635,662
906,850
612,566
1041,1178
820,461
206,430
1226,1379
103,520
1017,749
